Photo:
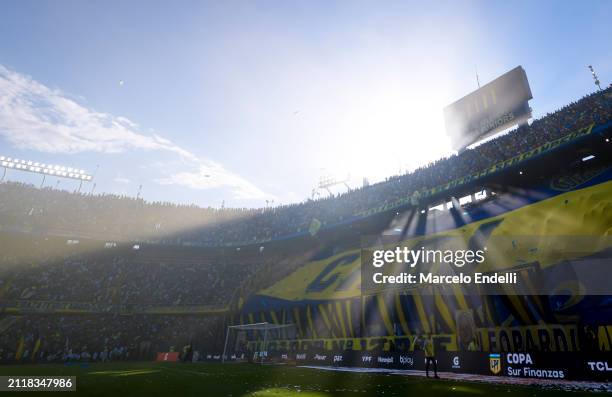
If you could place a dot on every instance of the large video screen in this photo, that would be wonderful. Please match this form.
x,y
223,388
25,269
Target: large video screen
x,y
494,106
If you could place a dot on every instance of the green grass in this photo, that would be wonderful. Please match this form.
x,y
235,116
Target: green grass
x,y
249,380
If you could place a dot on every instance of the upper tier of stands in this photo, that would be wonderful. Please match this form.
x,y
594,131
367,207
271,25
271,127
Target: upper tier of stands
x,y
110,217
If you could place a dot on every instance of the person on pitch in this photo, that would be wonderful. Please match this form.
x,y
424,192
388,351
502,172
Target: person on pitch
x,y
430,356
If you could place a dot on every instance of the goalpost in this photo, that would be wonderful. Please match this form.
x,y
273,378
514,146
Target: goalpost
x,y
259,334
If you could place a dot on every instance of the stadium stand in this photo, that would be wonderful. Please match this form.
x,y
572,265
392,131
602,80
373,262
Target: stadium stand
x,y
123,218
102,277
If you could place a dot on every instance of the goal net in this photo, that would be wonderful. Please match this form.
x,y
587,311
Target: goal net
x,y
257,342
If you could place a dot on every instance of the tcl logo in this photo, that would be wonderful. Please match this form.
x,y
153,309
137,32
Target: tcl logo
x,y
519,358
601,366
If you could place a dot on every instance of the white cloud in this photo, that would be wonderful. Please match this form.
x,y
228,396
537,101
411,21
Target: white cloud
x,y
210,174
36,117
122,180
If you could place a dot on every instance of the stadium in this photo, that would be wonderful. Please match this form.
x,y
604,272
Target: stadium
x,y
118,294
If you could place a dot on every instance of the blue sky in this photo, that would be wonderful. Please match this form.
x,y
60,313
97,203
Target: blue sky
x,y
250,101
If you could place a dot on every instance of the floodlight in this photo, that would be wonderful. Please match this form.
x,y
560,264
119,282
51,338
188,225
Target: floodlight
x,y
42,168
587,158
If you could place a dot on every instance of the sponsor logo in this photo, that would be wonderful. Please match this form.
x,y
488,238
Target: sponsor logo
x,y
217,357
528,372
301,356
366,359
385,360
456,363
519,358
337,359
319,357
488,124
284,356
406,360
600,366
495,363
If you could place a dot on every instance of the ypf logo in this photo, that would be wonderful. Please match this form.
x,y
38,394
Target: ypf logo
x,y
366,359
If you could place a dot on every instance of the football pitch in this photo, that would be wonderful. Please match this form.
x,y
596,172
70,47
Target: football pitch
x,y
249,380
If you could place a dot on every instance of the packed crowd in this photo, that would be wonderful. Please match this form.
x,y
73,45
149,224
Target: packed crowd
x,y
120,280
132,304
114,217
91,338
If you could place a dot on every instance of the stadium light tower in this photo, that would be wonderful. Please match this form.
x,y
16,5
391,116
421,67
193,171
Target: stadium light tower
x,y
44,169
595,77
326,181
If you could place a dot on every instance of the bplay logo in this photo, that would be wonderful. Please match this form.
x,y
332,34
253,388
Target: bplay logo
x,y
599,366
406,360
456,363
